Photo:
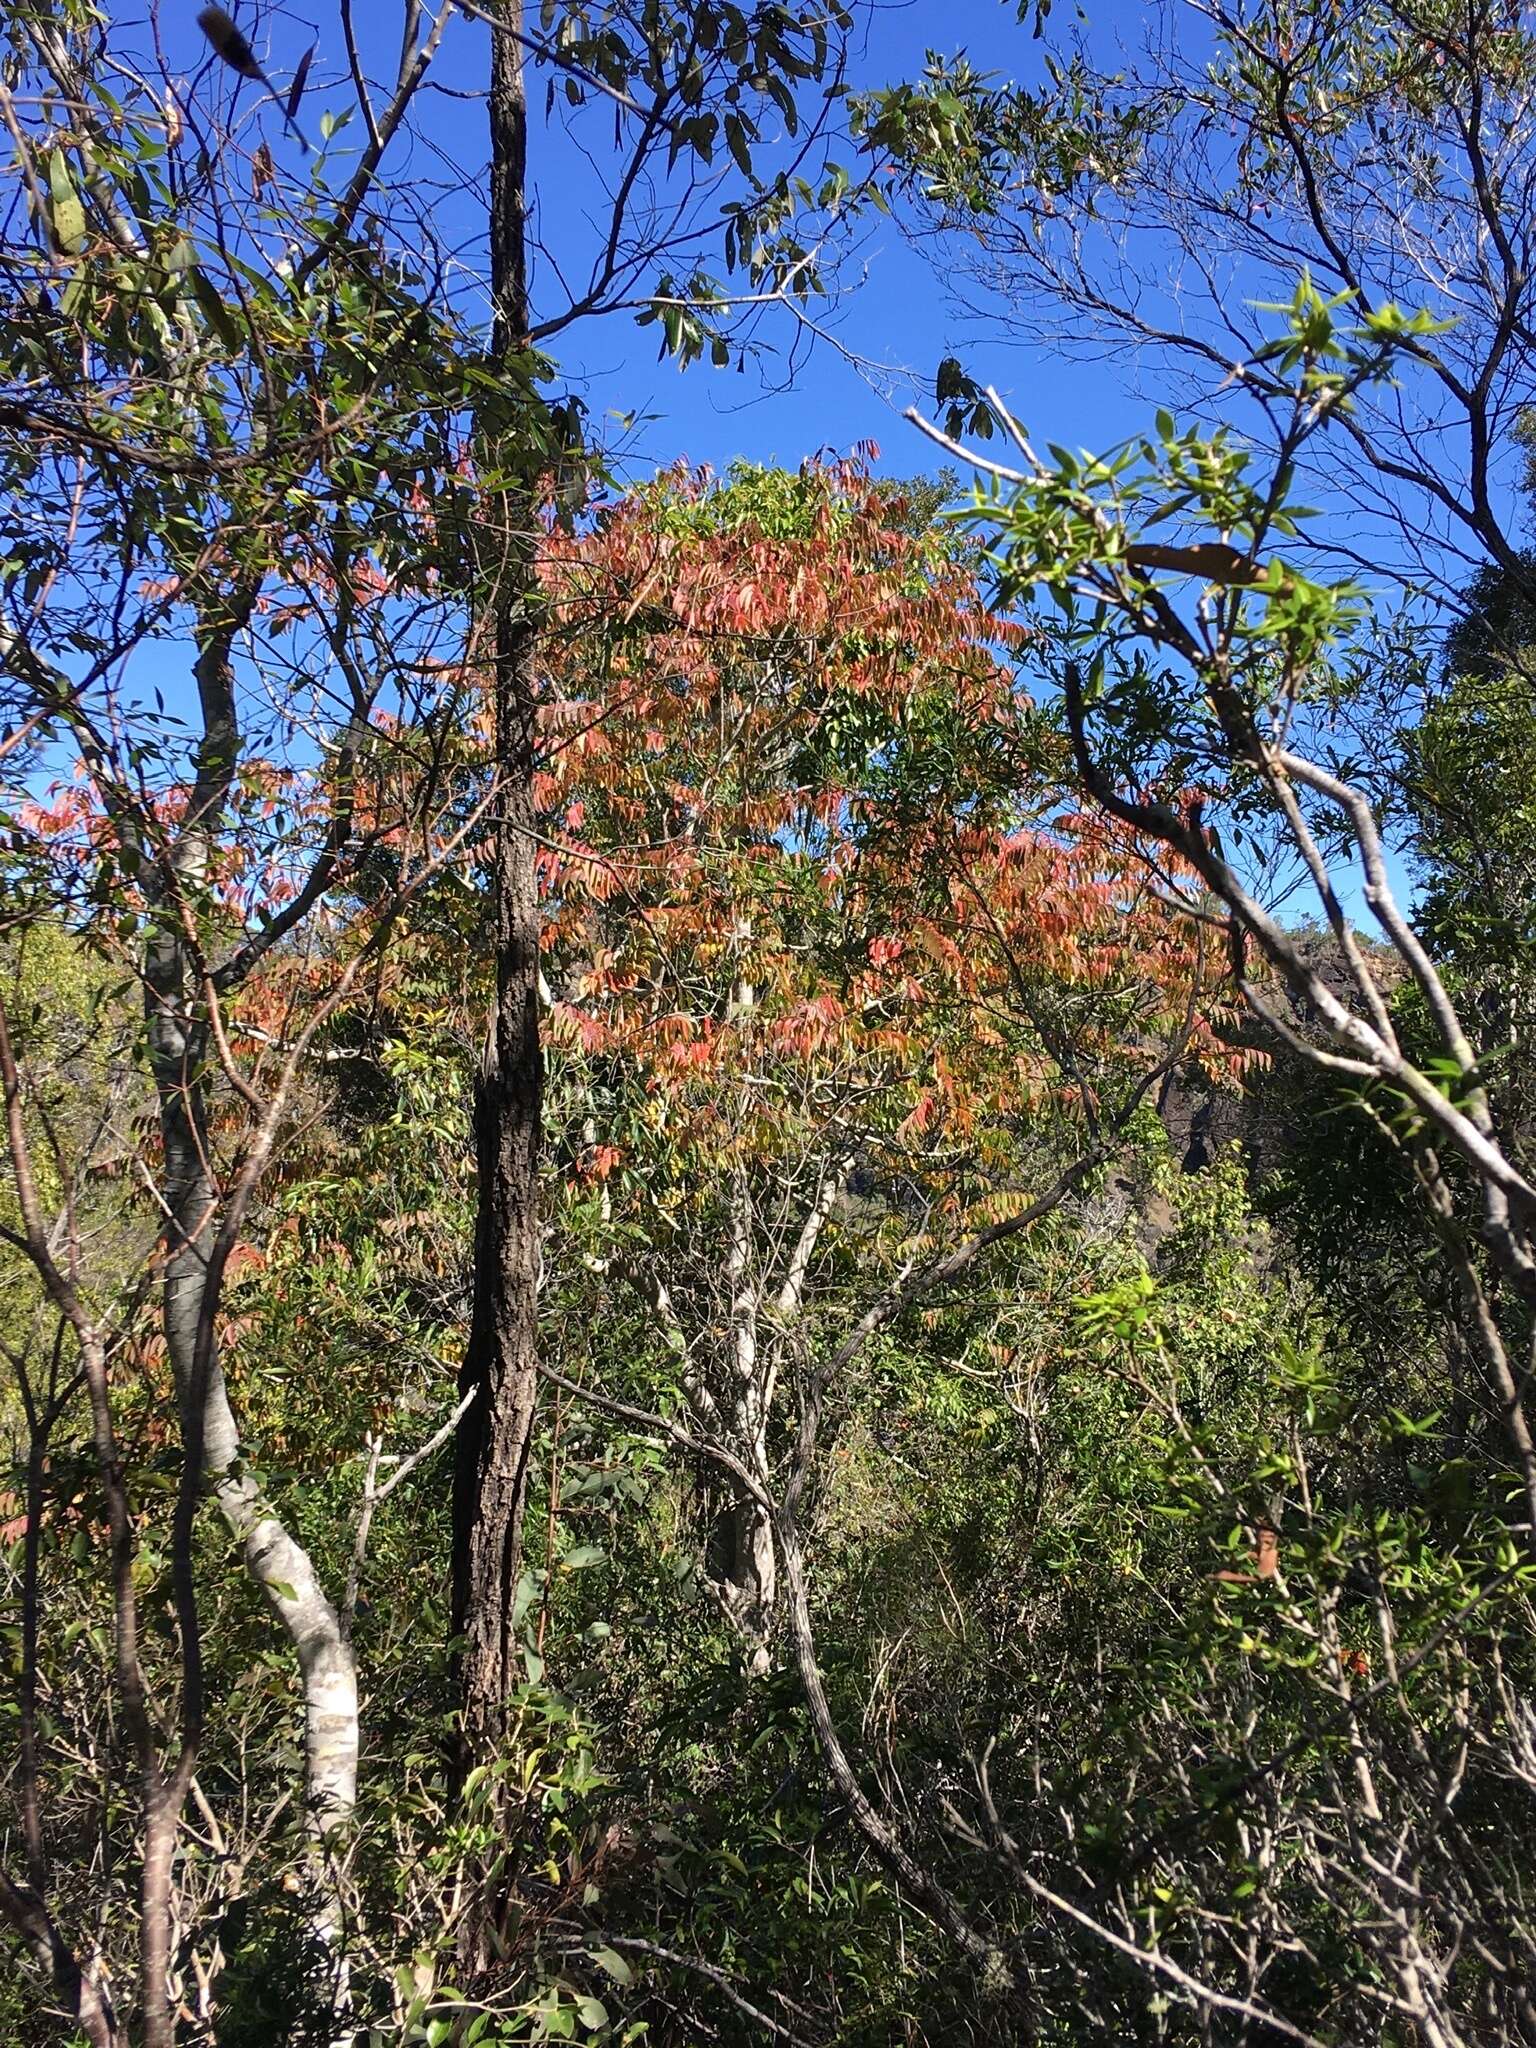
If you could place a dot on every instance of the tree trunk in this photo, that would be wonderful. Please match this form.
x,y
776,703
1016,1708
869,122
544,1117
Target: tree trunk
x,y
750,1575
500,1369
745,1548
749,1586
87,2003
177,1034
279,1565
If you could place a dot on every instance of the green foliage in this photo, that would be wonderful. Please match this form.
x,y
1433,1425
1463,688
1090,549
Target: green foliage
x,y
968,139
1471,784
1163,1557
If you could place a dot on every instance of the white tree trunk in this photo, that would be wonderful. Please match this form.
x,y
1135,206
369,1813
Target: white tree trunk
x,y
277,1563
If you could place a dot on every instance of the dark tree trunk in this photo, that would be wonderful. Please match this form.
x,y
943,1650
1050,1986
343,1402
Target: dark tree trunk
x,y
490,1479
500,1369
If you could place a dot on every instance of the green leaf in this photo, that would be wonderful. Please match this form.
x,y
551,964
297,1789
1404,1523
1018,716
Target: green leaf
x,y
68,213
736,143
608,1959
213,307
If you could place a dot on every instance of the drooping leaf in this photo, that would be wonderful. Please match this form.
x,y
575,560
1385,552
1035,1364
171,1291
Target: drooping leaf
x,y
68,211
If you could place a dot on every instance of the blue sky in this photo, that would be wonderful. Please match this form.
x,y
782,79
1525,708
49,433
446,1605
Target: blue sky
x,y
891,308
892,311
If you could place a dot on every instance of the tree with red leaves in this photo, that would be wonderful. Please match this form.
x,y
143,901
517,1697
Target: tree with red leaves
x,y
837,986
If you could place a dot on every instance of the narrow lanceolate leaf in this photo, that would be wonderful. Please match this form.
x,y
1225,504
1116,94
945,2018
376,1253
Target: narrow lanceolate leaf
x,y
300,78
64,200
215,311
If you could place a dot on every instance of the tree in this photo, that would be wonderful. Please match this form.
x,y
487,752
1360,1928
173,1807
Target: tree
x,y
847,997
681,77
292,455
228,430
1202,662
1162,202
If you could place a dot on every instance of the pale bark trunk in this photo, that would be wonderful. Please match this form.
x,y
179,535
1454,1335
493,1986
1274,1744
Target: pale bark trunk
x,y
750,1576
276,1562
177,1035
749,1586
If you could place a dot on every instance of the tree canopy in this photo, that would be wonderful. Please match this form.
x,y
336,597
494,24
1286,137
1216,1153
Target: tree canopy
x,y
768,1229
